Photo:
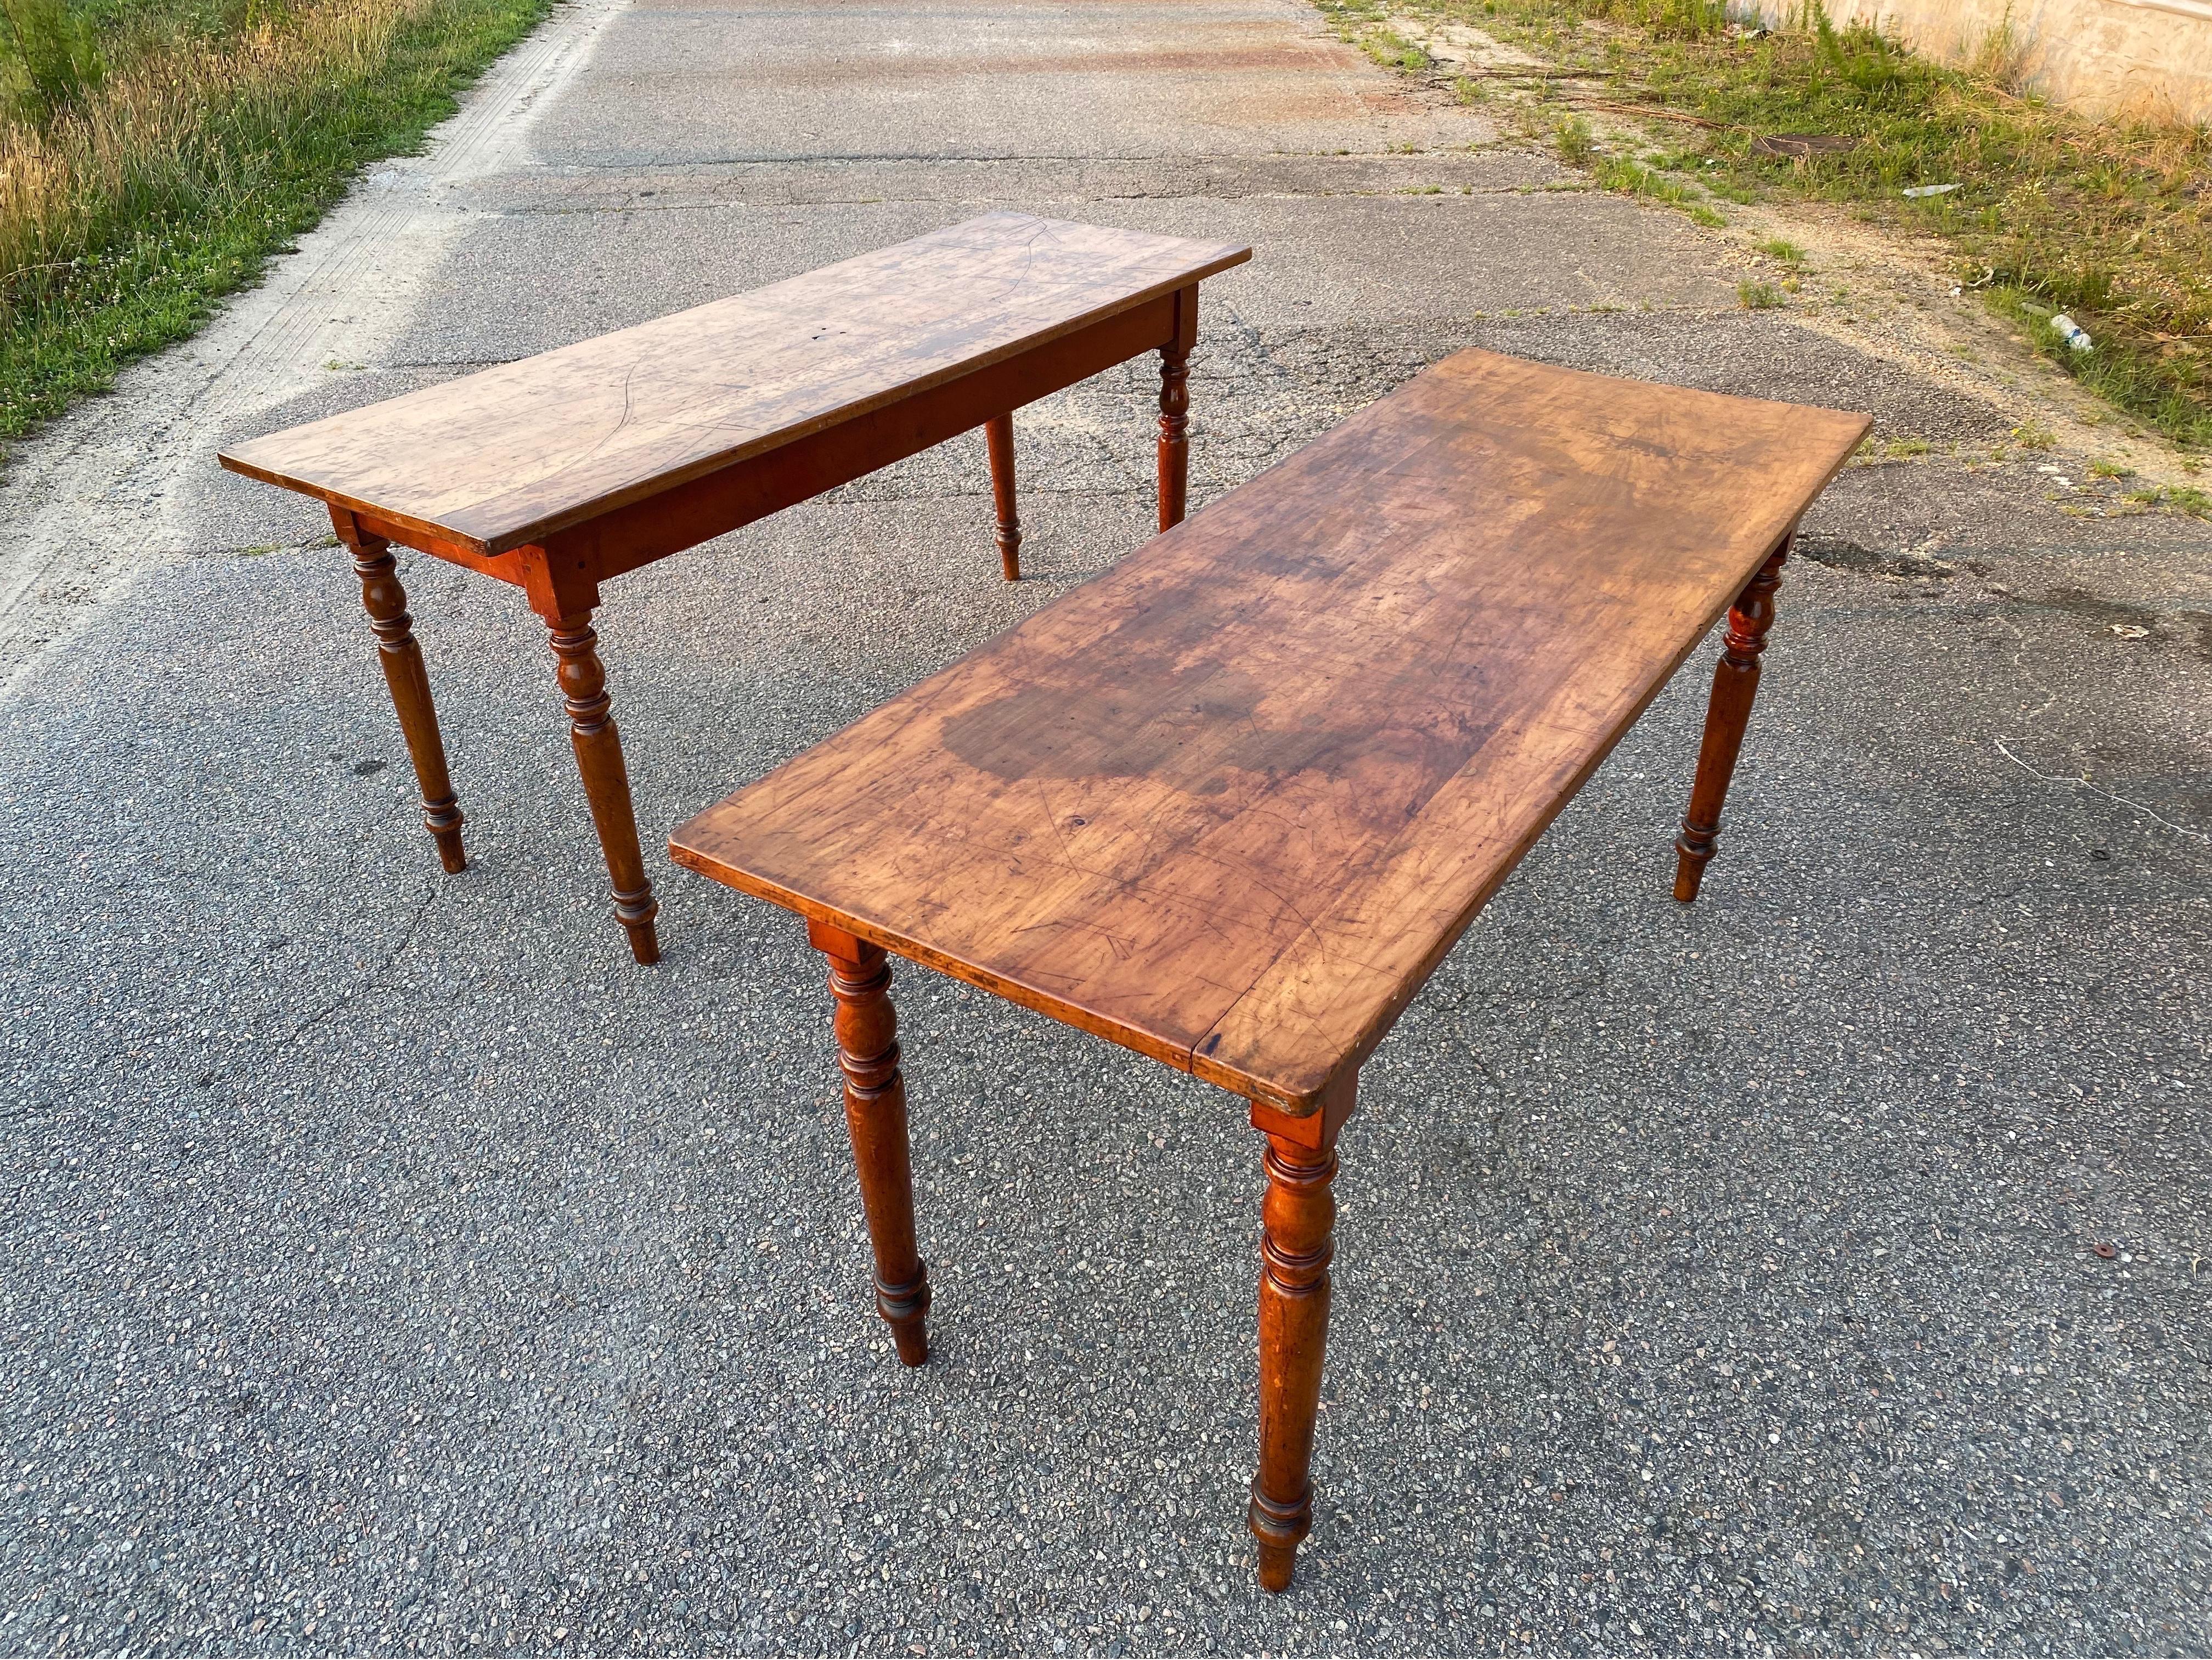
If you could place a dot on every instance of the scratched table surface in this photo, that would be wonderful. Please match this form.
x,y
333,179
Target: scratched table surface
x,y
1230,803
505,458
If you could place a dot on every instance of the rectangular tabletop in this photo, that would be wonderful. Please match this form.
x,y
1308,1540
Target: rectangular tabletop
x,y
1230,803
505,458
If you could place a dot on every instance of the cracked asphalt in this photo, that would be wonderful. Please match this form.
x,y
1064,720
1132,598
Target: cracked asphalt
x,y
391,1266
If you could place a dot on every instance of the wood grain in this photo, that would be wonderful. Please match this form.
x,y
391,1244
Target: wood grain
x,y
512,455
1230,803
875,1117
606,780
409,680
1297,1241
999,442
1728,712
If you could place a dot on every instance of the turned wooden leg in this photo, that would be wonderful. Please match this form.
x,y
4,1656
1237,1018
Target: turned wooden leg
x,y
1175,432
1299,1215
606,783
409,681
1735,681
999,439
875,1114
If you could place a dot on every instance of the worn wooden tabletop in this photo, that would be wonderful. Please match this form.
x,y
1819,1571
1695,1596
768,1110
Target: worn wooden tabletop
x,y
1232,801
505,458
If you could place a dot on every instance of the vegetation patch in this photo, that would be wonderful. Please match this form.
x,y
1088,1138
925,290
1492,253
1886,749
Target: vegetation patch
x,y
2174,498
1392,51
1577,144
154,153
2044,212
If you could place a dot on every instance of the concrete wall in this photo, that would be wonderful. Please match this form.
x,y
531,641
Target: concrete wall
x,y
2102,57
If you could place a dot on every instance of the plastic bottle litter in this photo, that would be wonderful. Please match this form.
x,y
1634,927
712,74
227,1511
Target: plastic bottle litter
x,y
1931,190
2072,333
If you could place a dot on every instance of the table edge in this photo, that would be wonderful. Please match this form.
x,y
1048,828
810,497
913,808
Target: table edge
x,y
1305,1097
1014,991
534,533
1302,1096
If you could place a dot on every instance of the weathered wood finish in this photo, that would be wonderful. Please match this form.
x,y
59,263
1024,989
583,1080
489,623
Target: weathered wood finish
x,y
563,471
1228,803
409,679
875,1114
515,454
630,537
1231,803
999,440
1728,712
606,782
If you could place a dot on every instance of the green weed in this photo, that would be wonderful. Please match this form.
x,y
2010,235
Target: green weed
x,y
1631,178
1395,52
2109,221
1757,296
2179,498
209,135
50,57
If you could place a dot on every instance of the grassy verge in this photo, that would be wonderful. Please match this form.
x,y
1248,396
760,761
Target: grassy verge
x,y
154,153
2043,213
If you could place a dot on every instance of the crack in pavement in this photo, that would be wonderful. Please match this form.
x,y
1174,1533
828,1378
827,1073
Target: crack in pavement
x,y
2083,783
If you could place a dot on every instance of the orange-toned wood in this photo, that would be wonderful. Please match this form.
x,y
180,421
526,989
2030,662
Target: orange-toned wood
x,y
1298,1218
875,1114
404,672
1231,803
1728,711
506,566
565,469
999,440
693,512
606,783
514,454
1312,1130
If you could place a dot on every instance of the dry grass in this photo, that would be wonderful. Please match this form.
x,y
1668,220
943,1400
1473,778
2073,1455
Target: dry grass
x,y
155,130
160,172
2110,222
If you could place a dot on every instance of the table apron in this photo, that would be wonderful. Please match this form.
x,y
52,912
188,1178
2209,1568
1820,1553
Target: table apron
x,y
508,566
702,508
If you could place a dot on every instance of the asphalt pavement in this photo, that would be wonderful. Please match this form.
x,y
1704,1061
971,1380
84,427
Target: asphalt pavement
x,y
391,1266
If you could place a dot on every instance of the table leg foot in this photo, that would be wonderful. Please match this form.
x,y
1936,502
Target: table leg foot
x,y
606,781
1299,1214
1278,1528
875,1115
636,911
1735,682
999,440
386,601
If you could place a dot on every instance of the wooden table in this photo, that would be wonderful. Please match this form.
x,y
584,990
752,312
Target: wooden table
x,y
1231,803
561,471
